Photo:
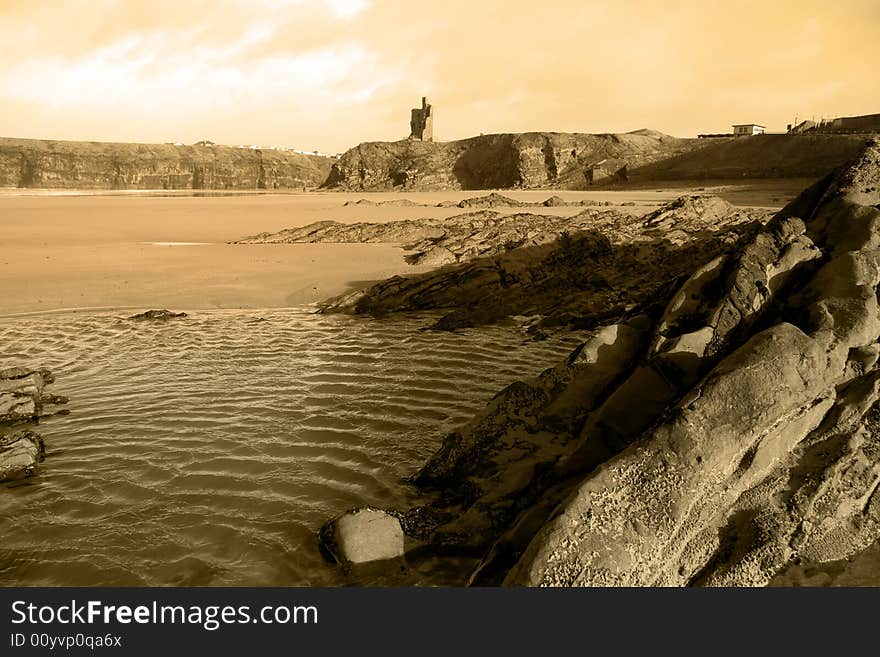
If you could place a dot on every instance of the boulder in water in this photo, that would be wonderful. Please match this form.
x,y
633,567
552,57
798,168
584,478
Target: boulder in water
x,y
22,399
363,535
21,394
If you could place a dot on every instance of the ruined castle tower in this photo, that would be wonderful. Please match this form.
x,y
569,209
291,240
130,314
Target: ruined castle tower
x,y
422,122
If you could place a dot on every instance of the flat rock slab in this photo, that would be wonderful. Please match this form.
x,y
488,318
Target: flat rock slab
x,y
363,535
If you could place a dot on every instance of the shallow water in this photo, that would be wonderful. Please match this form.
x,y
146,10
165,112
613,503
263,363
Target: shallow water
x,y
209,450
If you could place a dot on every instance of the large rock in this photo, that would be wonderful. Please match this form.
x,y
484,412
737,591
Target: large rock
x,y
20,454
728,432
772,455
362,536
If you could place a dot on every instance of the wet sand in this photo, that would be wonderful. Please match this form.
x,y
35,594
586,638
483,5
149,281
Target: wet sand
x,y
83,250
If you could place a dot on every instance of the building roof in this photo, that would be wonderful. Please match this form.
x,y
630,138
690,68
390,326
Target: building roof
x,y
746,125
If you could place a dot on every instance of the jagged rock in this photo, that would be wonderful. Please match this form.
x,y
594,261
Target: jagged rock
x,y
584,270
464,237
157,315
19,455
21,394
735,431
459,238
363,535
724,491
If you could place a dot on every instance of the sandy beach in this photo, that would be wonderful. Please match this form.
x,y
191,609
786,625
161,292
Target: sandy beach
x,y
62,251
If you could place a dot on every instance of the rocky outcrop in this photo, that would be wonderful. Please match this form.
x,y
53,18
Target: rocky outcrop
x,y
527,160
22,402
27,163
714,439
491,200
580,270
578,161
440,241
157,315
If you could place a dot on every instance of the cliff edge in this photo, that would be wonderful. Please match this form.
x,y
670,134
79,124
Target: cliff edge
x,y
35,163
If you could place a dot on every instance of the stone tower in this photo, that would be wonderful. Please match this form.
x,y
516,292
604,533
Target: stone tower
x,y
422,122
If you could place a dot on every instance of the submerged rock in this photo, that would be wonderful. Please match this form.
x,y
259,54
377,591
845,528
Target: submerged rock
x,y
157,315
20,454
363,535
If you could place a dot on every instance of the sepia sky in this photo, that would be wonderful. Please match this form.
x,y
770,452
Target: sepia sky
x,y
327,74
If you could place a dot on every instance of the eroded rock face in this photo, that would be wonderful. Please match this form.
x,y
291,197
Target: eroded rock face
x,y
94,165
771,456
362,536
22,401
715,439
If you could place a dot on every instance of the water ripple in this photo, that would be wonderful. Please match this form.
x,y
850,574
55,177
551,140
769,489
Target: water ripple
x,y
209,450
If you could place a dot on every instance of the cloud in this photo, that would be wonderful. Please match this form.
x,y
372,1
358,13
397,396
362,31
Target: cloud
x,y
330,73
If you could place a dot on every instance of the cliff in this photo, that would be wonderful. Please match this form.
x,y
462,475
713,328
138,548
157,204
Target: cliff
x,y
579,161
717,435
528,160
500,161
94,165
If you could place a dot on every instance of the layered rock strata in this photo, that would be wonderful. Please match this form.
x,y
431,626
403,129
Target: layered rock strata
x,y
34,163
